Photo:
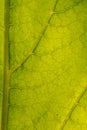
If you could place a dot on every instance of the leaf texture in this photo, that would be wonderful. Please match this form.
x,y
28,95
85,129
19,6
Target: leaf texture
x,y
45,73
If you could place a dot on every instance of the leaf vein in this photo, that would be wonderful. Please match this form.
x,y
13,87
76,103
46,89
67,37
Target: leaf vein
x,y
16,67
75,104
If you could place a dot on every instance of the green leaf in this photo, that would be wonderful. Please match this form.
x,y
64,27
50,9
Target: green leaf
x,y
45,65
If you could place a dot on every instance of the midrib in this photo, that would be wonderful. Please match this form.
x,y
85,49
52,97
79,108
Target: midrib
x,y
6,68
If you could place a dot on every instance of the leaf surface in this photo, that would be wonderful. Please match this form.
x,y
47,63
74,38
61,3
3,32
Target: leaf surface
x,y
45,74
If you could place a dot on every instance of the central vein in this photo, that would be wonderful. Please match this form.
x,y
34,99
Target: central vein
x,y
6,68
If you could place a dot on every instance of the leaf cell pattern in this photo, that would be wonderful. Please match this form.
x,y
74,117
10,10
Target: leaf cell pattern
x,y
45,73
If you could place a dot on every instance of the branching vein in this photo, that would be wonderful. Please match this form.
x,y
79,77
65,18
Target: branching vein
x,y
75,104
38,42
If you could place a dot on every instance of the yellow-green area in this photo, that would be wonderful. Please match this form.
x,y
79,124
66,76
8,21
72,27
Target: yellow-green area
x,y
48,64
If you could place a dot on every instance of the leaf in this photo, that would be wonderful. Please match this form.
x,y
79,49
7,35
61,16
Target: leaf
x,y
45,73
